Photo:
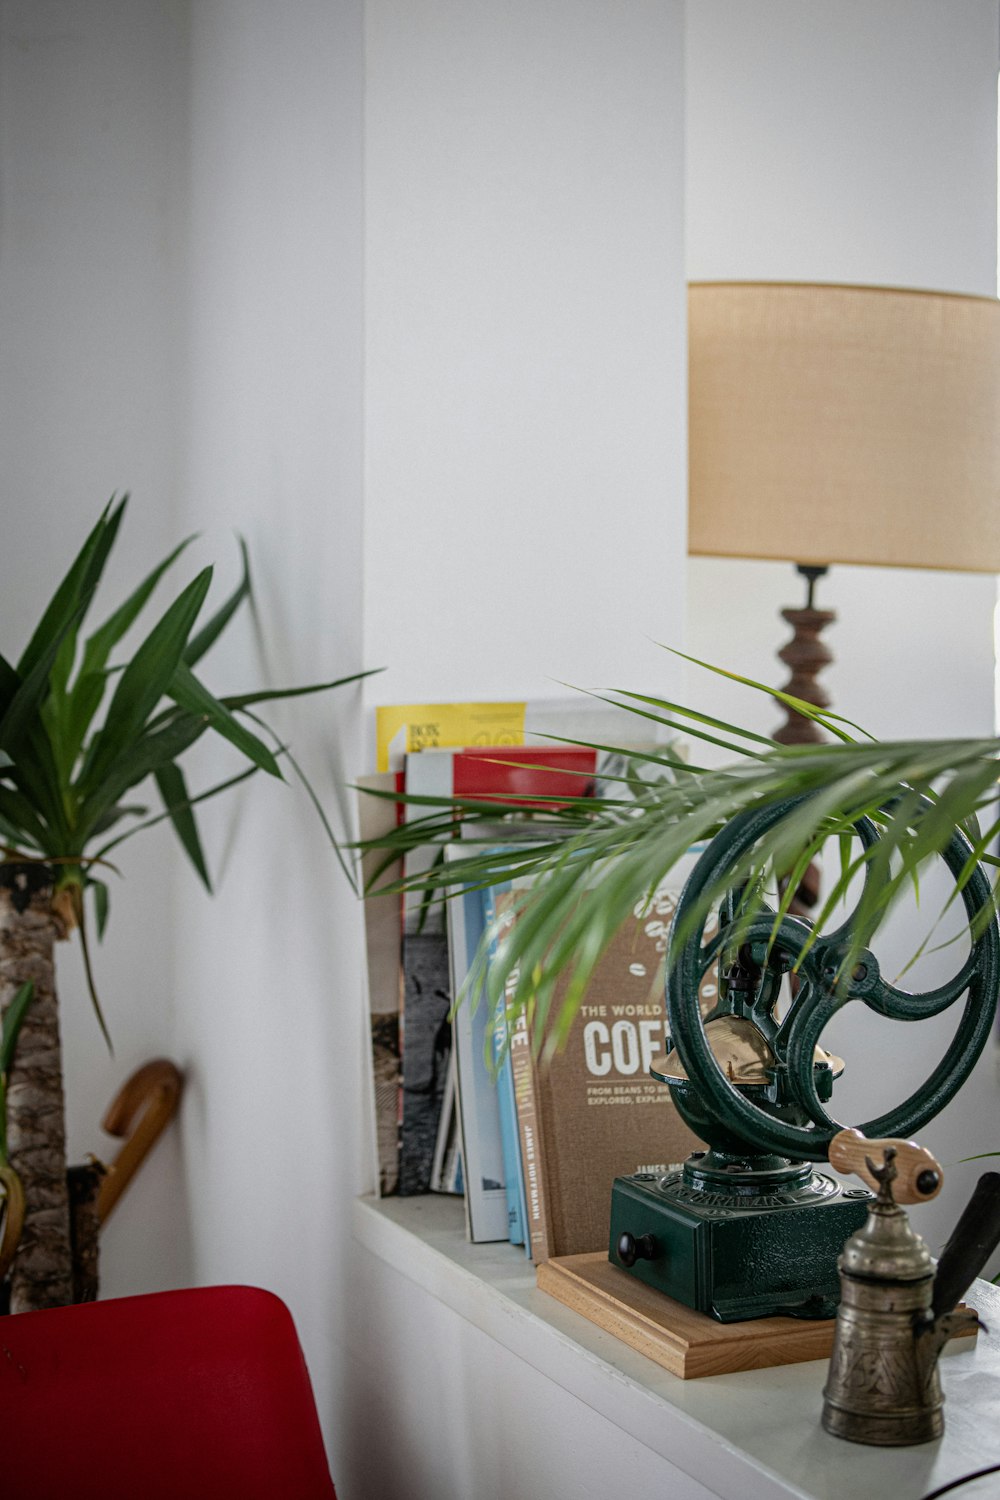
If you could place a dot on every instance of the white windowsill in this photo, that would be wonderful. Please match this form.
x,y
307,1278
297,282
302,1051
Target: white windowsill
x,y
754,1434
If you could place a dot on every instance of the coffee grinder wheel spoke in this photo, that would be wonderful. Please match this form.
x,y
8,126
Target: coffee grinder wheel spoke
x,y
748,1228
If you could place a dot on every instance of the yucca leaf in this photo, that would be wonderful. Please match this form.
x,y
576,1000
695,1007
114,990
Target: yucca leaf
x,y
62,667
27,759
103,641
25,740
20,819
62,783
212,791
114,816
177,805
21,715
314,799
213,628
186,690
54,705
14,842
102,904
10,681
84,701
12,1018
141,759
89,974
145,681
71,599
272,695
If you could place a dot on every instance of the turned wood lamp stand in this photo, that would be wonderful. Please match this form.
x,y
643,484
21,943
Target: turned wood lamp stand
x,y
805,656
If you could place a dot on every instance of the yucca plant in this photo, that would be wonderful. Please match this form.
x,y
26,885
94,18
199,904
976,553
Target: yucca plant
x,y
12,1194
607,856
80,733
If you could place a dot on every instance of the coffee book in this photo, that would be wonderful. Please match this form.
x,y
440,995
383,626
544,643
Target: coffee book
x,y
592,1113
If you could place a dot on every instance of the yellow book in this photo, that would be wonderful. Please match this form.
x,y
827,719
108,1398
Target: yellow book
x,y
401,728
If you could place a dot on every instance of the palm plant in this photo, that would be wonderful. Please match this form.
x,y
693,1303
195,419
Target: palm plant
x,y
79,733
597,861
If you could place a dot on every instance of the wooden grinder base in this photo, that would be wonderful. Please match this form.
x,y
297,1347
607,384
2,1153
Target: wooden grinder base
x,y
685,1342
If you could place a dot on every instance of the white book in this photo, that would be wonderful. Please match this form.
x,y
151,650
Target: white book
x,y
478,1101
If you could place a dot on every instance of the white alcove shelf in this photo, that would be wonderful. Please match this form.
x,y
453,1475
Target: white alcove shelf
x,y
751,1436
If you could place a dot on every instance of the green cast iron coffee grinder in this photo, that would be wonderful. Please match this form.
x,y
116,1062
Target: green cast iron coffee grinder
x,y
748,1228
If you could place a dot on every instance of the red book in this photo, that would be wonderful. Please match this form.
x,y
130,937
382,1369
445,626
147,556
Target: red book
x,y
515,775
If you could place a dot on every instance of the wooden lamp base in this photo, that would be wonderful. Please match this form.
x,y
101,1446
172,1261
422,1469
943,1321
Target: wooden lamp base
x,y
805,656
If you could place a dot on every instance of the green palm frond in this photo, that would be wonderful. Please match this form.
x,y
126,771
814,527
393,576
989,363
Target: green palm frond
x,y
612,853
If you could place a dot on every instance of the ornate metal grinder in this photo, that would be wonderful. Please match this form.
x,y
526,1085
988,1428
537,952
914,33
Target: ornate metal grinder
x,y
748,1229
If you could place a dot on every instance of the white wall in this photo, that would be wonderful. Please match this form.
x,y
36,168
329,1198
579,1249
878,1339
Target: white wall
x,y
854,142
525,429
268,974
844,142
92,132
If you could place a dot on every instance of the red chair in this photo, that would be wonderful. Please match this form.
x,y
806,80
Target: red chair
x,y
193,1395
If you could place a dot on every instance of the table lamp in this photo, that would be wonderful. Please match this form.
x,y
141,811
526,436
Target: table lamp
x,y
849,424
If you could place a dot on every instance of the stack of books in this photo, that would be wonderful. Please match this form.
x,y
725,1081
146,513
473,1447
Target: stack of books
x,y
459,1106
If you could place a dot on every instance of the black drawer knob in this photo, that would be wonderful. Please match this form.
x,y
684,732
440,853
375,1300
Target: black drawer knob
x,y
631,1249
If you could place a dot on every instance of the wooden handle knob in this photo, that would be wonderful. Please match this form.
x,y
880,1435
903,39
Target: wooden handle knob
x,y
919,1174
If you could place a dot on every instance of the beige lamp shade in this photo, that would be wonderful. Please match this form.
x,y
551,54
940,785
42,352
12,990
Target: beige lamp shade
x,y
844,424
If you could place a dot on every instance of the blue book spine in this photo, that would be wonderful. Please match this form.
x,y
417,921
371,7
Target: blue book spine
x,y
517,1216
482,1144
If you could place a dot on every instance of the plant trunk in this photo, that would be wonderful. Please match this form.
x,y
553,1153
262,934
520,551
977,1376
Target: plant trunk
x,y
85,1227
42,1272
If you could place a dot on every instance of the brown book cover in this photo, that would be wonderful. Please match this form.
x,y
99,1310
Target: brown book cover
x,y
598,1114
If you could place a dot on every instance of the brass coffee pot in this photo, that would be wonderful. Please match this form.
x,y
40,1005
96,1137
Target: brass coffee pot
x,y
896,1313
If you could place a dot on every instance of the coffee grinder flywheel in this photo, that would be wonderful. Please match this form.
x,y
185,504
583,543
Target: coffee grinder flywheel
x,y
747,1228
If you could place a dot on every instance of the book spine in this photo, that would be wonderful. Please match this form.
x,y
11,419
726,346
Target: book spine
x,y
538,1235
426,1055
383,981
442,1168
478,1111
513,1175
